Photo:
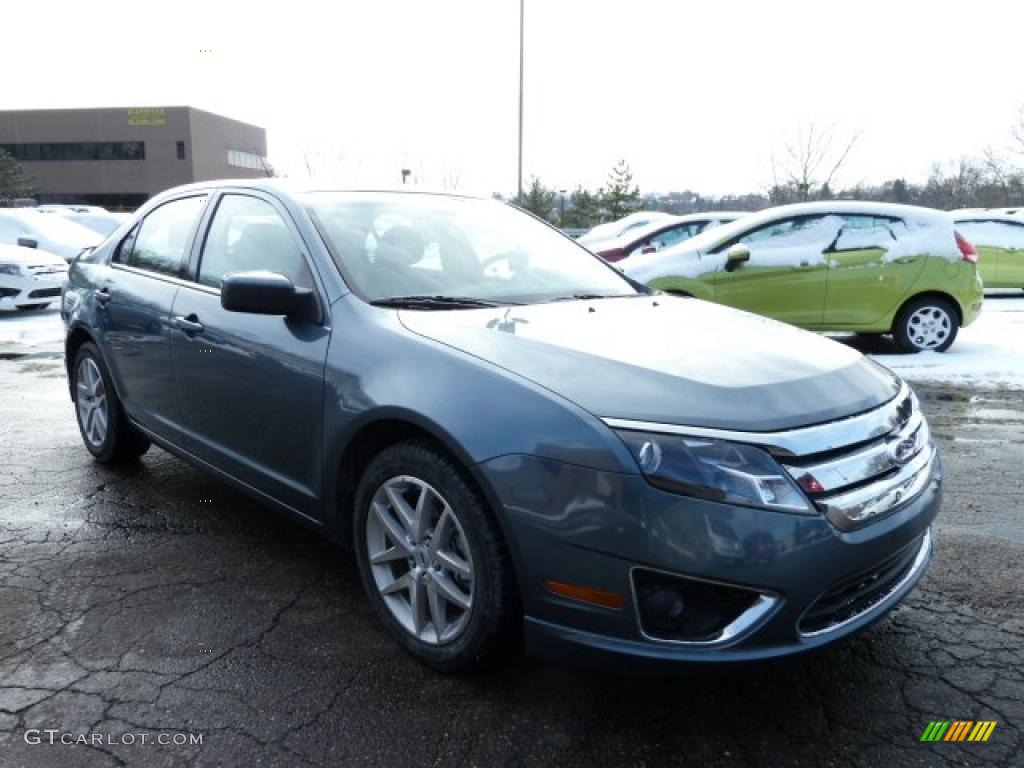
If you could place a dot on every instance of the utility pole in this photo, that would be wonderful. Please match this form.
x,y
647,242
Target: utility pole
x,y
519,184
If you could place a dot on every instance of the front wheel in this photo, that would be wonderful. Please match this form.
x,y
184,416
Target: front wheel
x,y
432,560
926,324
105,430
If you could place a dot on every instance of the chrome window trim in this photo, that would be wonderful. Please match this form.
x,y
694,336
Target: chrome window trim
x,y
803,441
884,602
742,625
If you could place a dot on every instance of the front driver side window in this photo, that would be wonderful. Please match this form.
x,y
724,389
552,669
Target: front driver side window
x,y
249,234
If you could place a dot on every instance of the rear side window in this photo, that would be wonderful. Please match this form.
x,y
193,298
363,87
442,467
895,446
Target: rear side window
x,y
868,232
159,243
248,234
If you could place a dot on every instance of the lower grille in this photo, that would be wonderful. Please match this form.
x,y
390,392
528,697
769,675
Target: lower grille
x,y
855,596
44,293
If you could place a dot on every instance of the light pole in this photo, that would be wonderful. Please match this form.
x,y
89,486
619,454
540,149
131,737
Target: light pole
x,y
519,181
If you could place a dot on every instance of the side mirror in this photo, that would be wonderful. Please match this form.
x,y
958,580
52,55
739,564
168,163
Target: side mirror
x,y
736,255
263,293
28,242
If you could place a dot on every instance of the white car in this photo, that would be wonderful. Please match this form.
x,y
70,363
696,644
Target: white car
x,y
45,231
662,233
101,221
30,278
619,227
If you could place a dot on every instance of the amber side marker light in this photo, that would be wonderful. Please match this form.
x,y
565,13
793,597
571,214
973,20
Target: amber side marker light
x,y
586,595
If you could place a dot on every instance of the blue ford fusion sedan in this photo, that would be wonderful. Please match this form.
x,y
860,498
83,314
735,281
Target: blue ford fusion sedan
x,y
519,444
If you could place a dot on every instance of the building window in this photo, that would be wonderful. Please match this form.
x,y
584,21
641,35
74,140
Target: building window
x,y
239,158
65,151
181,150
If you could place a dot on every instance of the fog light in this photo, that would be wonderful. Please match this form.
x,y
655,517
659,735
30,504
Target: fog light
x,y
685,609
664,608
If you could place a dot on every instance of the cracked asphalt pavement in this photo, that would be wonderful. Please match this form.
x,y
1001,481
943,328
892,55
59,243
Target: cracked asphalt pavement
x,y
158,600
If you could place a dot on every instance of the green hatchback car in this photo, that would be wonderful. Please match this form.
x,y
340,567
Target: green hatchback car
x,y
999,240
832,266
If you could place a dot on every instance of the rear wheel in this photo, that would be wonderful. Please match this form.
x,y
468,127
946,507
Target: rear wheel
x,y
105,430
928,323
432,560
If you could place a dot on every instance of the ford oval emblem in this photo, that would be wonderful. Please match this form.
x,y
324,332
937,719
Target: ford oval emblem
x,y
903,451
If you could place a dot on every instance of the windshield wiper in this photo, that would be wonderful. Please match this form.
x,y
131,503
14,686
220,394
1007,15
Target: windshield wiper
x,y
436,302
588,296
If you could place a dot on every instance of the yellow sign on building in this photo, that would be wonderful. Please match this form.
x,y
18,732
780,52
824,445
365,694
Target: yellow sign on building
x,y
147,116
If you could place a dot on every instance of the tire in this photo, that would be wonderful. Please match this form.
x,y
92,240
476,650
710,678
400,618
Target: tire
x,y
101,421
486,624
31,307
927,323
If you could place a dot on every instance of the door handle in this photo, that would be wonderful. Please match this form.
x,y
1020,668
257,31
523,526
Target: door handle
x,y
102,295
189,324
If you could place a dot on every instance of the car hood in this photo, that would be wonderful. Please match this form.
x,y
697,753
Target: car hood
x,y
17,254
668,359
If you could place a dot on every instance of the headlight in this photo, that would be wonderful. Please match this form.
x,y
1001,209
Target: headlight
x,y
10,269
715,470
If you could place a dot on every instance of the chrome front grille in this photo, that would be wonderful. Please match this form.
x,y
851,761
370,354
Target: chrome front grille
x,y
855,484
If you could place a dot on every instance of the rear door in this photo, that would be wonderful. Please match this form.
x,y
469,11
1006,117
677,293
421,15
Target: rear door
x,y
250,387
785,277
870,270
134,297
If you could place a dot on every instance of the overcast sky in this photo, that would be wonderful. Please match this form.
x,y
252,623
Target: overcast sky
x,y
693,95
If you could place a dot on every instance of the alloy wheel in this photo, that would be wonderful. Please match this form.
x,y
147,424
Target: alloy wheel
x,y
91,402
929,327
420,559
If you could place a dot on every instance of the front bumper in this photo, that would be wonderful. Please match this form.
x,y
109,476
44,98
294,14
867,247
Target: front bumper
x,y
27,290
570,524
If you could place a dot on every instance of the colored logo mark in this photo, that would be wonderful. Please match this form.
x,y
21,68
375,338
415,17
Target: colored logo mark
x,y
958,730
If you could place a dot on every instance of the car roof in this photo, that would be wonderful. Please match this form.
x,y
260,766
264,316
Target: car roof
x,y
713,237
987,214
300,186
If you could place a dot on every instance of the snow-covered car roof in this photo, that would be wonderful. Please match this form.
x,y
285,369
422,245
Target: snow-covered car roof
x,y
18,254
613,229
988,214
667,222
719,234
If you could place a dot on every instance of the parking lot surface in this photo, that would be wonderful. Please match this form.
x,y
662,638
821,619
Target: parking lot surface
x,y
156,600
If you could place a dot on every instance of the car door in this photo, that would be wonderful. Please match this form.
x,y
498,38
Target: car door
x,y
785,277
865,282
249,386
133,296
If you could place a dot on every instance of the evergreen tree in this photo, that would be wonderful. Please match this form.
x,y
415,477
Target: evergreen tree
x,y
539,200
583,210
13,181
621,197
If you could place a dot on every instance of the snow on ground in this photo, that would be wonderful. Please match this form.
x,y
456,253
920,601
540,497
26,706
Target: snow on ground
x,y
989,353
23,331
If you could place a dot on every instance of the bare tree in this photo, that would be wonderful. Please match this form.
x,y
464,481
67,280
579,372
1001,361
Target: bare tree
x,y
1017,132
808,164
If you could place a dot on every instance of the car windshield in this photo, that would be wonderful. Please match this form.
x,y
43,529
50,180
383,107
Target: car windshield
x,y
398,245
58,228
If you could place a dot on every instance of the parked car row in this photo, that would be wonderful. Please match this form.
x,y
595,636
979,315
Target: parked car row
x,y
872,268
38,243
